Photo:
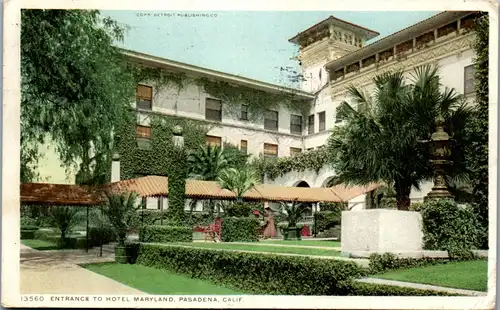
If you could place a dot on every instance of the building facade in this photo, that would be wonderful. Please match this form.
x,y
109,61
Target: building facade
x,y
333,54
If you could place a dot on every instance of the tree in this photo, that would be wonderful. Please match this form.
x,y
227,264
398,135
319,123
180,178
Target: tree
x,y
293,212
75,87
121,210
239,182
64,218
381,141
477,155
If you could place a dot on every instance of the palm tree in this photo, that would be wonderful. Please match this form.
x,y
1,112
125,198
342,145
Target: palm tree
x,y
121,211
65,218
380,141
239,182
207,162
293,212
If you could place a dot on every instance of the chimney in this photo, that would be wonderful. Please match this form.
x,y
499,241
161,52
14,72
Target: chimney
x,y
115,168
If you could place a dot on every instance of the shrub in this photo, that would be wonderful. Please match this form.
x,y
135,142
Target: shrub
x,y
28,221
388,261
155,233
334,232
238,209
243,229
326,220
257,273
104,233
369,289
27,234
450,227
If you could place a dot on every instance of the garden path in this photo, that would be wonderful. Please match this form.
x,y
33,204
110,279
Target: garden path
x,y
57,272
422,286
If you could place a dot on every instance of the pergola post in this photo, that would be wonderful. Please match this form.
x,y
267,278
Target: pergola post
x,y
102,214
87,232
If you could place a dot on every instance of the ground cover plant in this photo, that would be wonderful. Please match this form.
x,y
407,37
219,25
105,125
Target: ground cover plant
x,y
319,243
41,245
469,275
161,282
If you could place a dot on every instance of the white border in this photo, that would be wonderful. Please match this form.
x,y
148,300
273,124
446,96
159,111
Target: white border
x,y
11,153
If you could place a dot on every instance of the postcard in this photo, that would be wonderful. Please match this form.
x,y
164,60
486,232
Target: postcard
x,y
250,155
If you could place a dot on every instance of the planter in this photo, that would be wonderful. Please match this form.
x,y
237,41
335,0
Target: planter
x,y
121,256
292,233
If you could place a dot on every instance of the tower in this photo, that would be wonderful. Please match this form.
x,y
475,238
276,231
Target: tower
x,y
328,40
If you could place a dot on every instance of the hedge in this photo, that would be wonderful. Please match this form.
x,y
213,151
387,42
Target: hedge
x,y
267,274
106,234
380,263
242,229
369,289
156,233
326,219
27,234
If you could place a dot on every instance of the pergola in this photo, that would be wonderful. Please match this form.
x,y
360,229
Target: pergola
x,y
157,186
63,195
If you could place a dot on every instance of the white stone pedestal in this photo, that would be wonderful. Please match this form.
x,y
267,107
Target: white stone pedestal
x,y
381,231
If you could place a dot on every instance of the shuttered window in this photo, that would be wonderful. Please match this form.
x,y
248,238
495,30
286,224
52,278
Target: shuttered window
x,y
296,124
213,141
143,132
271,120
244,113
469,79
295,150
144,97
244,146
322,121
310,124
213,109
270,150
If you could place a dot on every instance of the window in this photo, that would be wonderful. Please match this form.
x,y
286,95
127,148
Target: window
x,y
296,124
244,146
143,132
469,79
271,120
322,120
270,150
213,141
213,109
244,113
295,150
310,124
144,97
338,115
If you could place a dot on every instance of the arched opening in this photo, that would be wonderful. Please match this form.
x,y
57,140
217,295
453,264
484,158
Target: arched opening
x,y
305,184
302,184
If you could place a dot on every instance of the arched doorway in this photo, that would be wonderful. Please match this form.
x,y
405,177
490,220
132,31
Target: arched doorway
x,y
302,184
331,181
305,184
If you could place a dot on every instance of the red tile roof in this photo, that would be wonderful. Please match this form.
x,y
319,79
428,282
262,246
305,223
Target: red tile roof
x,y
157,186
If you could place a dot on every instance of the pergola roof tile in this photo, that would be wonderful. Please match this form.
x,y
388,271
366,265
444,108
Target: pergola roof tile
x,y
157,186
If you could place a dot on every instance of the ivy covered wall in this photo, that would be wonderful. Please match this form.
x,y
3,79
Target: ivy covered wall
x,y
156,160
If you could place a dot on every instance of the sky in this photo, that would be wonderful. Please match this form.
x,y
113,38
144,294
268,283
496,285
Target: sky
x,y
249,44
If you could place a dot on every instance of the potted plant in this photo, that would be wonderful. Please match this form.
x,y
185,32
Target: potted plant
x,y
121,211
293,212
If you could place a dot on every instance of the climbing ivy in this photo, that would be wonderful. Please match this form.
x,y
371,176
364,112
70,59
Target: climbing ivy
x,y
158,159
258,102
273,168
159,77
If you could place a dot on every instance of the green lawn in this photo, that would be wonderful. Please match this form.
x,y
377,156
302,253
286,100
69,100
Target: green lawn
x,y
322,243
469,275
40,245
264,248
157,281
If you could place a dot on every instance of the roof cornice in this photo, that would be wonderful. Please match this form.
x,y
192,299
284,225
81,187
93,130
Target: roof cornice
x,y
396,38
154,61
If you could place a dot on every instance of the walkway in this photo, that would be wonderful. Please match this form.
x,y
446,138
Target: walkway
x,y
422,286
57,272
